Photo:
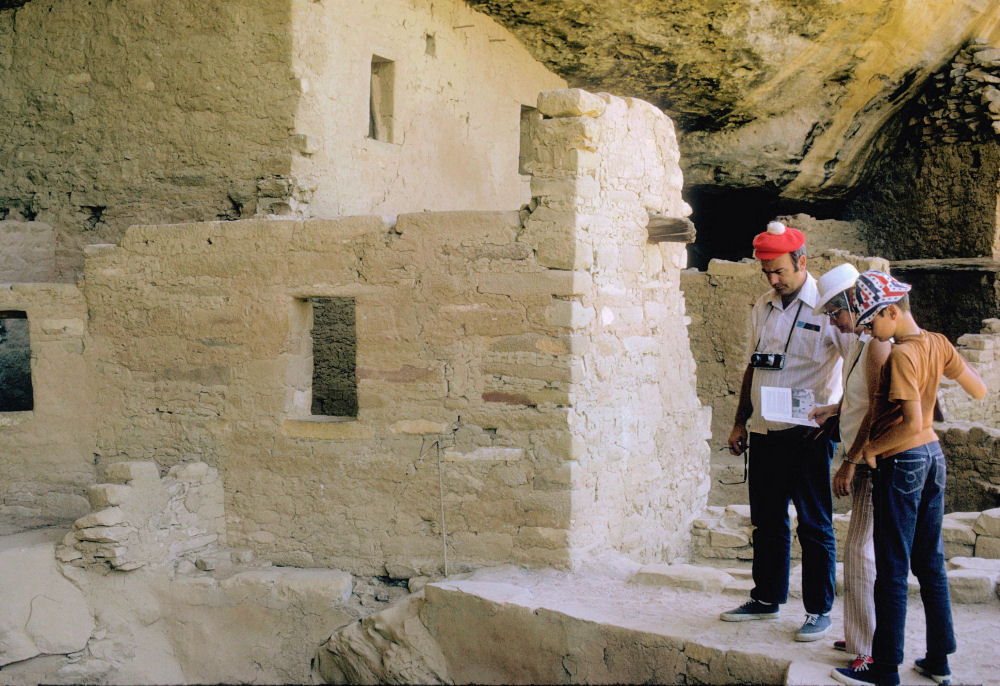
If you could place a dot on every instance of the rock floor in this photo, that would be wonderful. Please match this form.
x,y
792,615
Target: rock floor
x,y
693,616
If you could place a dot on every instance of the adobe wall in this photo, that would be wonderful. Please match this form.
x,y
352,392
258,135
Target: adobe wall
x,y
46,459
524,382
29,252
164,112
719,303
460,82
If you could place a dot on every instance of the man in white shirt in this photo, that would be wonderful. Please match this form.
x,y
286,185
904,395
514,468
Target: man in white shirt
x,y
792,347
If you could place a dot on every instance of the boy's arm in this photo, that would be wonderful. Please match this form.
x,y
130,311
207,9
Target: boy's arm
x,y
973,384
913,422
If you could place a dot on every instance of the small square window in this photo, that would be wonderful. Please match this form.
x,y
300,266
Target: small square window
x,y
380,102
16,393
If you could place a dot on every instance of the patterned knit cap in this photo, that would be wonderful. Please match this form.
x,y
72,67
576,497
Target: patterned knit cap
x,y
872,291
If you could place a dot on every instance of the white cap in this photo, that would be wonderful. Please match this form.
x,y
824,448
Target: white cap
x,y
835,281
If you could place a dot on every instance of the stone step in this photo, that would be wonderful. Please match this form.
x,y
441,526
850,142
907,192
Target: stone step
x,y
722,537
653,624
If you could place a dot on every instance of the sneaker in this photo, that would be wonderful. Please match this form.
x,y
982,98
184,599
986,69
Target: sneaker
x,y
840,645
814,628
864,677
861,663
752,609
940,673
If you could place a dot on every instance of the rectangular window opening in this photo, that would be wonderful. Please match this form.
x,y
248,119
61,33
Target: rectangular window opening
x,y
380,102
530,116
334,354
16,393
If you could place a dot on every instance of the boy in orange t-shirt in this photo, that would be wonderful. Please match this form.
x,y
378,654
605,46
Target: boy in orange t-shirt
x,y
909,480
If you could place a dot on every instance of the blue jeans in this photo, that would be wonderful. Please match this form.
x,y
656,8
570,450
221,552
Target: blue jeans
x,y
787,466
908,498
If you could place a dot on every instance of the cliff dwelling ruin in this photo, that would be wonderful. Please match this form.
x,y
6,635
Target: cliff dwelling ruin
x,y
343,342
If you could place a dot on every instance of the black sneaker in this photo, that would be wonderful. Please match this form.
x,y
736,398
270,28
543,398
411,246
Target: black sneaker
x,y
752,609
937,671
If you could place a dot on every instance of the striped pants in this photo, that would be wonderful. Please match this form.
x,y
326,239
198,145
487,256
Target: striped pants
x,y
859,567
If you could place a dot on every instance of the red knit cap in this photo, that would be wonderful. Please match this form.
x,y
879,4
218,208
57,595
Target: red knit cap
x,y
776,241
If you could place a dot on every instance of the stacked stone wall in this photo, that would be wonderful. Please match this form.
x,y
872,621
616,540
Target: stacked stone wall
x,y
47,455
163,112
719,302
139,519
982,352
600,165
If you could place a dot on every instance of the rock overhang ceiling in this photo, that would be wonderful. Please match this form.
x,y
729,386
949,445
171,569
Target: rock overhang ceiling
x,y
785,95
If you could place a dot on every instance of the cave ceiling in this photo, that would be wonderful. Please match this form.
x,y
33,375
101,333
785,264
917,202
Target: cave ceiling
x,y
780,94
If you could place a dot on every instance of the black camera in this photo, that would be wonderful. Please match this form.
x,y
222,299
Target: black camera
x,y
767,360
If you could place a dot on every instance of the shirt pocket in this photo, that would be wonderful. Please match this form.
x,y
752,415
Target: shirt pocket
x,y
808,343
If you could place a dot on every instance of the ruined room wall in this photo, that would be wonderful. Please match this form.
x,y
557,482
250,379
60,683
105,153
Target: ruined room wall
x,y
140,111
162,112
640,468
932,189
46,459
460,81
462,339
719,302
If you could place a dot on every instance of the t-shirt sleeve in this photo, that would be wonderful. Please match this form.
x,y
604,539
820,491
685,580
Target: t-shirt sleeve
x,y
903,381
954,364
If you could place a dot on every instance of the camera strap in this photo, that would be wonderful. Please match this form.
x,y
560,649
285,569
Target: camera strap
x,y
788,340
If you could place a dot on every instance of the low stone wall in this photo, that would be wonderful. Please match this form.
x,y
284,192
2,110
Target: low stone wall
x,y
725,534
982,352
140,519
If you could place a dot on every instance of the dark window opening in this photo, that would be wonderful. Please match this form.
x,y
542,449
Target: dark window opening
x,y
380,103
16,394
530,116
334,352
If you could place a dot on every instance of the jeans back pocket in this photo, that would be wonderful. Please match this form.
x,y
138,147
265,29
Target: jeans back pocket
x,y
909,473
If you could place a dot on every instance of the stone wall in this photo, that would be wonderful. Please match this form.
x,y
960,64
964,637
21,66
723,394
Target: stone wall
x,y
525,390
982,352
719,302
599,165
165,112
139,519
47,455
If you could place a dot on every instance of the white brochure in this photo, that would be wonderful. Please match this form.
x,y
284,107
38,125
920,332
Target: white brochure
x,y
787,405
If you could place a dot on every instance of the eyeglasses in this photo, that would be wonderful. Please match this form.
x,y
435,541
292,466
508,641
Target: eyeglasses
x,y
835,313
